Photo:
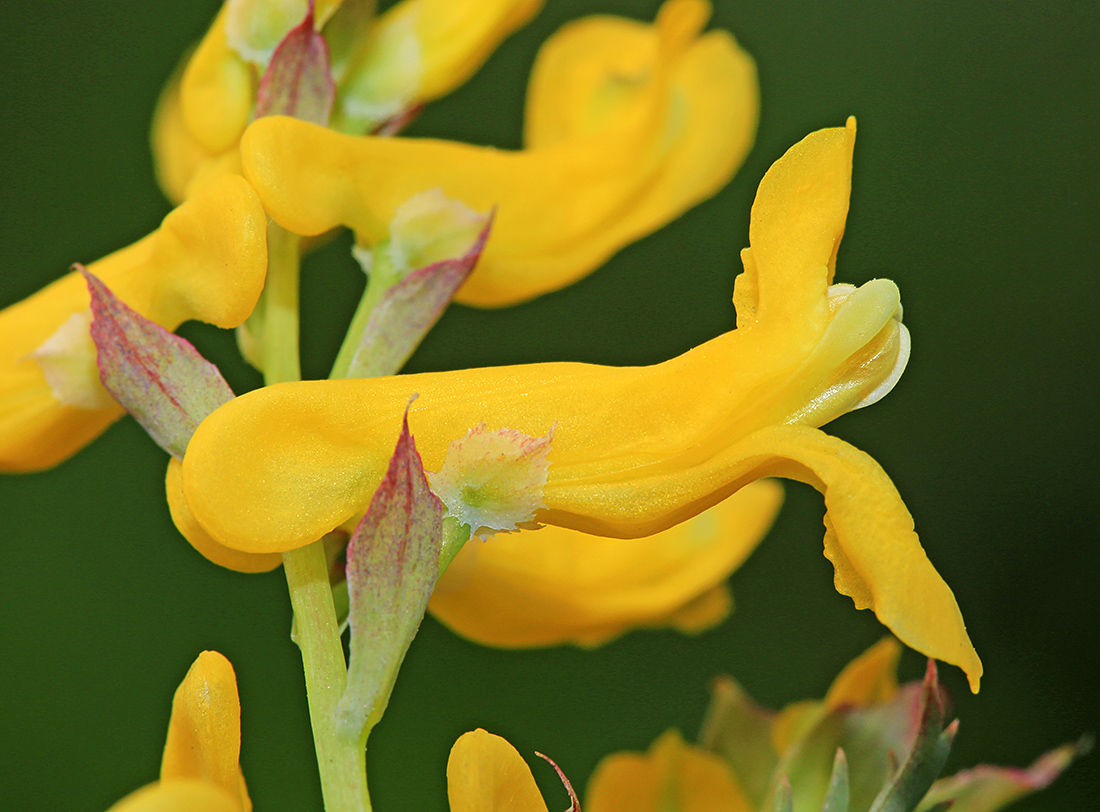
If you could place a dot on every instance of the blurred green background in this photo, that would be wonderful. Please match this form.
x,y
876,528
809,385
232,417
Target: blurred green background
x,y
976,189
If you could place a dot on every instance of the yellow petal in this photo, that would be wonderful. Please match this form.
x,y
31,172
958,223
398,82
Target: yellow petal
x,y
869,537
178,272
179,796
673,142
595,71
869,679
795,229
703,612
671,777
217,91
794,722
552,586
198,538
486,774
177,154
204,734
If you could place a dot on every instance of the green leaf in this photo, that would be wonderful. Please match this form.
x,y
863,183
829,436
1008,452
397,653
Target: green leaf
x,y
986,788
836,798
926,758
783,800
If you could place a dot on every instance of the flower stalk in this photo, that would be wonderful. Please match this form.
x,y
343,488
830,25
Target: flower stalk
x,y
340,760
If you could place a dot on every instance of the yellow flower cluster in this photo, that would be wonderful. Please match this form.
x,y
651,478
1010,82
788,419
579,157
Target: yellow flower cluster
x,y
660,478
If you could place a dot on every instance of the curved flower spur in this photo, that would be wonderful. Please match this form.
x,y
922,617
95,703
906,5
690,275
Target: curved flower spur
x,y
635,450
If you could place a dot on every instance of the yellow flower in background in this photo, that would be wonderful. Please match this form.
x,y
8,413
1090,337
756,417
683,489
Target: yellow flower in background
x,y
627,126
416,51
207,261
870,744
672,776
200,769
553,586
635,450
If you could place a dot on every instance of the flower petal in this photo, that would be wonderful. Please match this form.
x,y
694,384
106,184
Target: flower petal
x,y
796,225
672,776
597,68
636,449
204,734
177,154
553,586
187,269
664,151
217,90
178,796
198,538
486,774
869,679
869,537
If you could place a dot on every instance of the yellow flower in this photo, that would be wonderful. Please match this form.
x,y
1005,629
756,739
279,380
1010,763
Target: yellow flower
x,y
200,769
416,51
553,586
628,125
207,261
635,450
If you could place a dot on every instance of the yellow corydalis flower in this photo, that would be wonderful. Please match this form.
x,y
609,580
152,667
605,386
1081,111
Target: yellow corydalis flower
x,y
628,125
559,586
207,261
636,450
414,52
200,769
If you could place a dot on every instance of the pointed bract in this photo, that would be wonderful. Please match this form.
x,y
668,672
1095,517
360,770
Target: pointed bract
x,y
298,81
408,310
393,563
156,376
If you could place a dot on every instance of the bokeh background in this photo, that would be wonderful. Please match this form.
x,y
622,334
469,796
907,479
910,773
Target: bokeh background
x,y
976,189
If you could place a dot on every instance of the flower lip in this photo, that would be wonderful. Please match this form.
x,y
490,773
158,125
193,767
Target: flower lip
x,y
860,355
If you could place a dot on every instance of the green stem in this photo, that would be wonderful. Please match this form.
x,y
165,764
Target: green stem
x,y
455,536
379,280
340,761
280,331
